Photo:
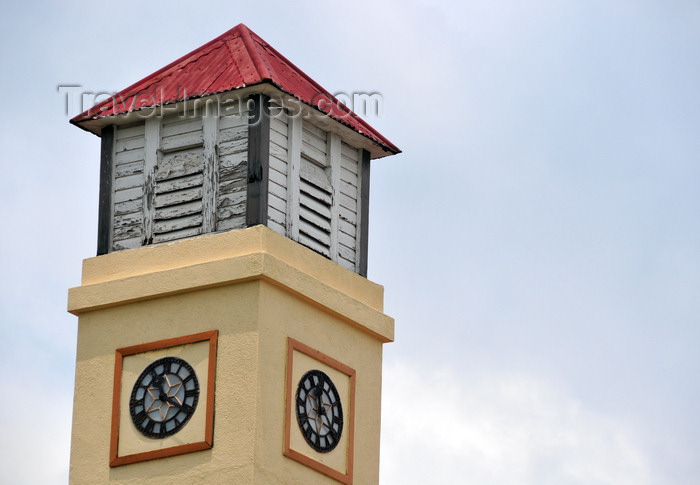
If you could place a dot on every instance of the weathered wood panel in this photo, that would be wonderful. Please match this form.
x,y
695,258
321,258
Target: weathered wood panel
x,y
278,124
178,176
315,238
175,235
348,254
315,218
128,181
127,226
132,131
233,172
316,192
178,197
129,156
294,129
180,132
229,146
315,198
348,203
334,164
347,228
349,190
179,183
232,198
347,224
275,218
280,153
314,144
182,140
277,200
233,211
128,194
314,174
127,144
277,138
349,157
179,210
183,222
180,163
348,198
129,206
311,153
314,135
233,166
179,179
129,161
152,155
235,121
129,168
180,124
130,243
278,182
210,184
350,179
347,243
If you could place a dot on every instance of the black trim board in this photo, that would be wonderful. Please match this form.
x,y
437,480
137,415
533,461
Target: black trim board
x,y
364,215
258,159
104,217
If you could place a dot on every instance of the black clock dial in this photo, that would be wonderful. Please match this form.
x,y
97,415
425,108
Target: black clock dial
x,y
164,397
319,411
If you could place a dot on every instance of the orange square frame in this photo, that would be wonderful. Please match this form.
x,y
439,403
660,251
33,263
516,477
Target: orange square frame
x,y
346,478
208,442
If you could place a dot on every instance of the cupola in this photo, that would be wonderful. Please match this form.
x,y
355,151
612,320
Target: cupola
x,y
230,136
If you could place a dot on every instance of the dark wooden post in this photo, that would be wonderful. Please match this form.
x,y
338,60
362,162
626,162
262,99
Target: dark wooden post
x,y
258,159
104,217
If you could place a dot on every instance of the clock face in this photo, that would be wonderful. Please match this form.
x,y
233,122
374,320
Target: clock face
x,y
319,411
164,397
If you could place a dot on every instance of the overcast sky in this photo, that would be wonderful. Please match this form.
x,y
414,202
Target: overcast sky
x,y
538,239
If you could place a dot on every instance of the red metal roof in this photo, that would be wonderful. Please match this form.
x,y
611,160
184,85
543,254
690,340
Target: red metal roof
x,y
235,59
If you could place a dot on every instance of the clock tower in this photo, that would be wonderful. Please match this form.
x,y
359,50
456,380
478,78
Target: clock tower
x,y
227,332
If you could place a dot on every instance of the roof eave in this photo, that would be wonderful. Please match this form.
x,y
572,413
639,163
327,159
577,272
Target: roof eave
x,y
376,144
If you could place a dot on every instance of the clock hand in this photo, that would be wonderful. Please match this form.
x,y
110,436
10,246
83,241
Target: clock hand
x,y
174,401
319,408
313,399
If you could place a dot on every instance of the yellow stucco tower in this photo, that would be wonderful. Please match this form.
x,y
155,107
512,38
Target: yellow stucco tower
x,y
227,332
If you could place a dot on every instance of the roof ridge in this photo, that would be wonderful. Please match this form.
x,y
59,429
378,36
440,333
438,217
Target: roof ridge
x,y
255,57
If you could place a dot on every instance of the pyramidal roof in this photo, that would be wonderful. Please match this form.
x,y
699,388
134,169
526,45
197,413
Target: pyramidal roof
x,y
236,59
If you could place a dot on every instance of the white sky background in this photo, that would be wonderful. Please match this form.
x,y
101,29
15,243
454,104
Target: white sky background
x,y
538,239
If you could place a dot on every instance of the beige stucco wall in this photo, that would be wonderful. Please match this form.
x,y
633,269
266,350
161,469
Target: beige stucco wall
x,y
256,288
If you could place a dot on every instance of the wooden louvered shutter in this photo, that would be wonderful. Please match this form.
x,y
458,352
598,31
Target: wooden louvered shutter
x,y
178,195
315,191
179,178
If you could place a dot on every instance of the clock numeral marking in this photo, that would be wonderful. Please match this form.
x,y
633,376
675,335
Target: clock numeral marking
x,y
139,418
155,381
